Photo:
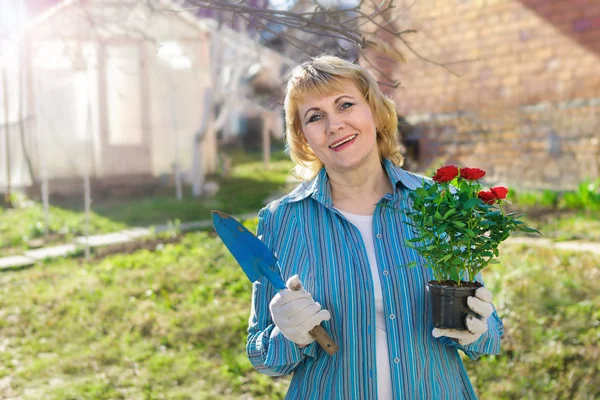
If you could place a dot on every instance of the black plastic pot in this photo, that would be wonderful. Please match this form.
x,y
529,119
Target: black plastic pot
x,y
449,305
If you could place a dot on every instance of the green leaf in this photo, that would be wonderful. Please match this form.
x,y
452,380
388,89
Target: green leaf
x,y
530,230
446,258
449,213
409,265
438,216
455,274
470,203
442,228
459,224
492,214
422,192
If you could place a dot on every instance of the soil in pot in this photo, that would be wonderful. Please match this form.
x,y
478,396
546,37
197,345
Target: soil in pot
x,y
449,303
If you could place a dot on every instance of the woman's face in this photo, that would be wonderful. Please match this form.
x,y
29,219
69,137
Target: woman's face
x,y
340,128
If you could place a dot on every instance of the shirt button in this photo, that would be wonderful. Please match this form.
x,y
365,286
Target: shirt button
x,y
392,316
386,273
379,236
396,360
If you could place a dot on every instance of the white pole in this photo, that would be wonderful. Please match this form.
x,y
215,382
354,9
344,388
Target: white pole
x,y
173,96
176,164
87,203
45,200
7,198
86,168
42,152
198,149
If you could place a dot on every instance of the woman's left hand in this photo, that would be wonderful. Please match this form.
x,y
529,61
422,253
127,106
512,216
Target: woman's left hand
x,y
476,323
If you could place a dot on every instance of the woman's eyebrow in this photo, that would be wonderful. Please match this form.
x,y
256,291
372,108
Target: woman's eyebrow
x,y
336,101
342,96
310,109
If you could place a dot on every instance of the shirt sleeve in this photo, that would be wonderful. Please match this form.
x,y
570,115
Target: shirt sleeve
x,y
269,351
488,343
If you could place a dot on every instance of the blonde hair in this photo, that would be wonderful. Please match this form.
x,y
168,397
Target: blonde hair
x,y
324,75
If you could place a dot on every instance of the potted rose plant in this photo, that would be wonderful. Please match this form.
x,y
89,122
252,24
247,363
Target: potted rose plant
x,y
458,227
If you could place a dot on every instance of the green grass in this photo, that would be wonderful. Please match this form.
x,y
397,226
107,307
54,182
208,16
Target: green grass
x,y
245,190
19,226
549,302
571,225
586,198
565,216
165,324
171,324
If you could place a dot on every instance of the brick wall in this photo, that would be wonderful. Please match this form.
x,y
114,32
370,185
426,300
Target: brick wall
x,y
526,106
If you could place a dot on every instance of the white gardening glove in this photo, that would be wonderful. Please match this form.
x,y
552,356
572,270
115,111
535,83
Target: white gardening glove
x,y
481,304
295,312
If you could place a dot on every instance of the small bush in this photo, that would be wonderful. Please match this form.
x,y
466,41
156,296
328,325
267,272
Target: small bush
x,y
585,198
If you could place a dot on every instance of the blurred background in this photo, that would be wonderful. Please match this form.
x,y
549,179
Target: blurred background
x,y
123,123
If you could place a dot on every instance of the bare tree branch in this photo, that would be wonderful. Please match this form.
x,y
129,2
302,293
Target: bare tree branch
x,y
306,30
394,83
318,20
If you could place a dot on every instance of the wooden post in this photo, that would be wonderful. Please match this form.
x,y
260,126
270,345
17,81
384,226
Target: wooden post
x,y
266,139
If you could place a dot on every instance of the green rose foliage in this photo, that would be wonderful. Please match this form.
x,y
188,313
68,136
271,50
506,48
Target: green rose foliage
x,y
456,233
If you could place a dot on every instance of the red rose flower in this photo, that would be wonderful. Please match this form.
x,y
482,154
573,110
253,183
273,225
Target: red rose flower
x,y
487,197
499,192
446,174
472,174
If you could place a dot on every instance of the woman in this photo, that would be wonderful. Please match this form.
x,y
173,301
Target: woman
x,y
332,235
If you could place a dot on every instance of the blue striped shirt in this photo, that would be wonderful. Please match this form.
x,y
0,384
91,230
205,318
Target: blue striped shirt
x,y
312,239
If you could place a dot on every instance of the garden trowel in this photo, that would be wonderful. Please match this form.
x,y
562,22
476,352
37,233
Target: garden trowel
x,y
256,259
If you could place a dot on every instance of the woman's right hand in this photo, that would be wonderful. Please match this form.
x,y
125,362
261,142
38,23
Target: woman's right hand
x,y
296,313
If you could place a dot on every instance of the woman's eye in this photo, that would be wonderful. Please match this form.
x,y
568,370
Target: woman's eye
x,y
346,105
314,118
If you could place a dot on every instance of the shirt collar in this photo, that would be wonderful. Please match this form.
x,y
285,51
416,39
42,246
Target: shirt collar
x,y
398,175
319,188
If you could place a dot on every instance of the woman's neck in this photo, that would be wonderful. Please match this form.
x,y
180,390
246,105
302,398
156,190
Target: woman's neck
x,y
358,191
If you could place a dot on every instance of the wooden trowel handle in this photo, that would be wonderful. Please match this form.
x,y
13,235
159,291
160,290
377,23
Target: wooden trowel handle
x,y
321,336
318,332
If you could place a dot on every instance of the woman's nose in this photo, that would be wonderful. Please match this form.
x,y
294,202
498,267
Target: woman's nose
x,y
335,124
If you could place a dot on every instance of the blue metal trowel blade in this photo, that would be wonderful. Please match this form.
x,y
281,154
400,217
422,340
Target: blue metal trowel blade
x,y
254,256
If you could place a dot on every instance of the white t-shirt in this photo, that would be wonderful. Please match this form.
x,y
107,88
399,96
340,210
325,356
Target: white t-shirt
x,y
364,223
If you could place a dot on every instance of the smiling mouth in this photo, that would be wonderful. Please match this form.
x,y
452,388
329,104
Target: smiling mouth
x,y
341,142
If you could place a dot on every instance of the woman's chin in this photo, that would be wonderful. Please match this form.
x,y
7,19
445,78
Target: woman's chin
x,y
345,163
